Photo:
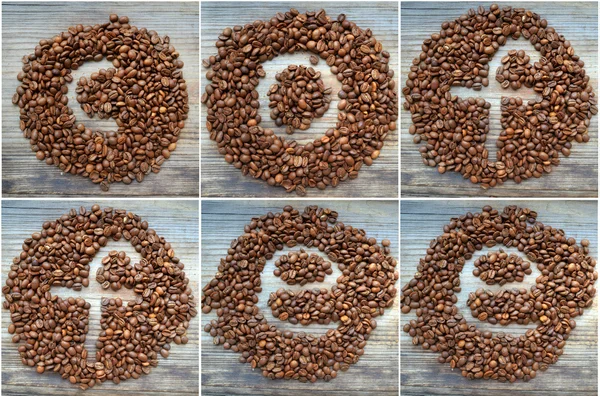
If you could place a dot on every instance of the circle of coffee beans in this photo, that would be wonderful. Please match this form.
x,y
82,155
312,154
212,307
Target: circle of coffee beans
x,y
362,293
560,294
452,131
299,267
299,97
144,92
515,70
368,101
52,330
501,268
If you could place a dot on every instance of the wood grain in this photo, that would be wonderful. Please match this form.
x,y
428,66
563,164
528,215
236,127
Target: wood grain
x,y
220,179
376,373
177,222
24,25
575,176
575,373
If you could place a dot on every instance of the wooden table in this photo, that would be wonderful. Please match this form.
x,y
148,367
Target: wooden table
x,y
220,179
177,222
575,373
24,25
575,176
376,373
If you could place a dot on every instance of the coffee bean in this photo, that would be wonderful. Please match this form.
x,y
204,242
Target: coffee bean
x,y
144,92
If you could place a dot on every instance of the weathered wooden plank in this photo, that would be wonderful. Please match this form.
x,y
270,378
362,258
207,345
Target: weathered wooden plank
x,y
220,178
177,222
24,25
576,176
422,221
377,371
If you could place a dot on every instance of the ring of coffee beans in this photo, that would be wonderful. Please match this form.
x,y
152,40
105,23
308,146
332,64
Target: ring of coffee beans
x,y
453,130
299,97
562,291
53,330
501,268
298,267
363,292
145,94
368,105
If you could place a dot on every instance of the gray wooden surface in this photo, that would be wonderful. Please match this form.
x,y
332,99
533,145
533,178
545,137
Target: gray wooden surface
x,y
376,373
24,25
575,373
177,222
220,179
575,176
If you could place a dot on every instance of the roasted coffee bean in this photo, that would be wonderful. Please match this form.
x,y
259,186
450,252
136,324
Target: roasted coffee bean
x,y
563,290
144,93
368,92
363,292
452,131
53,330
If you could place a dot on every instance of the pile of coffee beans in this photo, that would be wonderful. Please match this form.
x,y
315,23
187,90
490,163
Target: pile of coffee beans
x,y
52,331
453,130
516,71
560,294
362,293
368,105
501,268
115,271
298,267
299,97
305,307
145,94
